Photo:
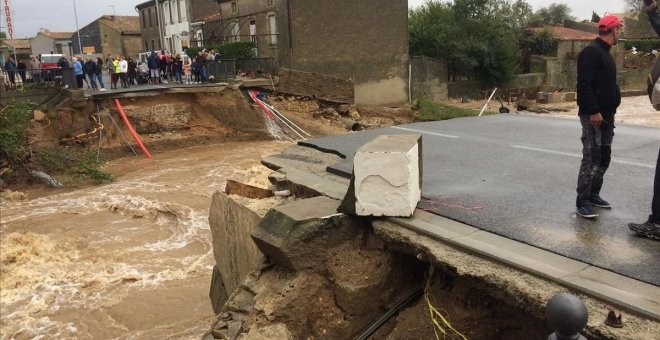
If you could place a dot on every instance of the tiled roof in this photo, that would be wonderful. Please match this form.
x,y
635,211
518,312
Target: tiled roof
x,y
563,33
59,35
18,43
208,17
123,23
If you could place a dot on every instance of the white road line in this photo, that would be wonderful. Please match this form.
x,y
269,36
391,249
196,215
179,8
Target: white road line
x,y
425,132
642,165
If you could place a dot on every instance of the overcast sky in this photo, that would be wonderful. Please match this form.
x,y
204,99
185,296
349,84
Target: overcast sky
x,y
58,15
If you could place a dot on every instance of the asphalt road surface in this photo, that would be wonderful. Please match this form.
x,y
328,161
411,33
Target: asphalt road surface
x,y
515,176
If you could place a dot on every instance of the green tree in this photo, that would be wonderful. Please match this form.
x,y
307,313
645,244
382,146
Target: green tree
x,y
595,17
470,35
554,14
634,6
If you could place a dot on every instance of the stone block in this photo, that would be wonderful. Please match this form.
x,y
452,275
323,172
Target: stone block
x,y
270,332
39,115
298,235
217,292
386,180
246,190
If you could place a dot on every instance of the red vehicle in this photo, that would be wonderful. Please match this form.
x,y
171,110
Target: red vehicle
x,y
50,60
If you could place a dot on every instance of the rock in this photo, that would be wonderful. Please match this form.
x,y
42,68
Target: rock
x,y
386,179
298,235
343,109
242,302
217,291
235,254
39,115
329,112
234,329
225,316
277,331
220,324
208,336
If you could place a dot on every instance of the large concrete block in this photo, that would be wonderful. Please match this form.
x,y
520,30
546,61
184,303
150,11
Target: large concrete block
x,y
386,177
298,235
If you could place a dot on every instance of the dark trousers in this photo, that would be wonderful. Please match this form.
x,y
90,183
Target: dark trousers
x,y
655,205
80,80
12,77
596,156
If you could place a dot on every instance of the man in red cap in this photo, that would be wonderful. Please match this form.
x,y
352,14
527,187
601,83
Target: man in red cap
x,y
598,97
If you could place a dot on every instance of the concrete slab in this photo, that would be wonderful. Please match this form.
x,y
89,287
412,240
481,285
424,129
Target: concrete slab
x,y
435,226
320,184
631,294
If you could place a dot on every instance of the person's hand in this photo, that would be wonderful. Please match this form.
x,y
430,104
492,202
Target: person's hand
x,y
596,119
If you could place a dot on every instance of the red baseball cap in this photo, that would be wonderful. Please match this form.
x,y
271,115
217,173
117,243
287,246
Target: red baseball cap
x,y
608,22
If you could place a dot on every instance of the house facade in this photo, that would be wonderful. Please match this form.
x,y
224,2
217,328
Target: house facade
x,y
345,38
110,34
20,48
149,26
175,24
47,42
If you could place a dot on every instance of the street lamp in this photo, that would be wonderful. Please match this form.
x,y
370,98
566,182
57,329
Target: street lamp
x,y
75,12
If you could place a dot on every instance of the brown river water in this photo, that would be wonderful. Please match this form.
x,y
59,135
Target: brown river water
x,y
127,260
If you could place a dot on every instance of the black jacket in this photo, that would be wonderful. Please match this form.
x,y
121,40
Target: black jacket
x,y
597,90
89,68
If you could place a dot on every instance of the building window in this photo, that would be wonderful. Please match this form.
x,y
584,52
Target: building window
x,y
151,14
200,38
144,19
234,8
269,2
178,9
235,32
272,26
169,10
146,45
253,30
153,45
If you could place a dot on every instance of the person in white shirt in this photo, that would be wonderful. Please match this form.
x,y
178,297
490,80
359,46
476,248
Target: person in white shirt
x,y
123,71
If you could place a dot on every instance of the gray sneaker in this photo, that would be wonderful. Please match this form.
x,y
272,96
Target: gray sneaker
x,y
646,229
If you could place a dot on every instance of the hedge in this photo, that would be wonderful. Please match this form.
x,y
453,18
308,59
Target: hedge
x,y
643,45
236,50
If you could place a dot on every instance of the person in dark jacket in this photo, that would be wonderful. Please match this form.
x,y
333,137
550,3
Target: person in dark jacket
x,y
21,67
132,71
598,97
99,72
10,68
153,62
651,228
90,72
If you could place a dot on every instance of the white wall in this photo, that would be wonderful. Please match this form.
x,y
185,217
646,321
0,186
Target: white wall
x,y
42,44
173,28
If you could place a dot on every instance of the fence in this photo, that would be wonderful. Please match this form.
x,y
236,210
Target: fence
x,y
61,76
228,68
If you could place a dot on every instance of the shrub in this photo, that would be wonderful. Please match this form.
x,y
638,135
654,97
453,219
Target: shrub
x,y
642,45
236,50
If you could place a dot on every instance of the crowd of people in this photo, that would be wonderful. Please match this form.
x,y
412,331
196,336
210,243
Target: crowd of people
x,y
160,67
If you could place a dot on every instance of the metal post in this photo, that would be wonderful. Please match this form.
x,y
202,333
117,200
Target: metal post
x,y
488,101
75,12
567,315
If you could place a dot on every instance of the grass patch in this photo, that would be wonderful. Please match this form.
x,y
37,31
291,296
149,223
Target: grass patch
x,y
14,121
428,110
80,166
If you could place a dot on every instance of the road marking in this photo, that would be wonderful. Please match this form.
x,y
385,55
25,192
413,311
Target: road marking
x,y
425,132
642,165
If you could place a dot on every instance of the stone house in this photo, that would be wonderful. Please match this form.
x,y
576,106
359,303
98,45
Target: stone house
x,y
348,39
149,26
10,47
561,67
110,34
47,42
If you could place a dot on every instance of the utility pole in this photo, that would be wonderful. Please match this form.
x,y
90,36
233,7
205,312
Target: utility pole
x,y
75,12
114,15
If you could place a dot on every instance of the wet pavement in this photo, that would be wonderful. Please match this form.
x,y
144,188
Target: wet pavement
x,y
515,176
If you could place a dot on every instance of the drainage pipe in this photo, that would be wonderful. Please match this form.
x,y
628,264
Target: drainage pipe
x,y
351,124
278,113
137,138
410,298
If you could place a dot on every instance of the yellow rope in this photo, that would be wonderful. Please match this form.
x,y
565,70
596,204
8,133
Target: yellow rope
x,y
435,313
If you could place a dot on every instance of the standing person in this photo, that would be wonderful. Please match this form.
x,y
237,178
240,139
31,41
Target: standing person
x,y
10,68
21,67
35,69
153,62
651,228
187,72
115,66
90,71
132,71
110,64
78,71
177,65
195,70
123,71
99,72
163,66
598,97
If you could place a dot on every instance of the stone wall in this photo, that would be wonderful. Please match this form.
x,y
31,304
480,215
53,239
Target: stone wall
x,y
633,79
429,78
315,85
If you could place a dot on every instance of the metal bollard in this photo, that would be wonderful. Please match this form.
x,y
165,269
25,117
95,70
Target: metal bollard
x,y
567,315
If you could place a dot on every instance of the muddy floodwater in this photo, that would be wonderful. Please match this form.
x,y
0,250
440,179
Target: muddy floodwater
x,y
129,259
